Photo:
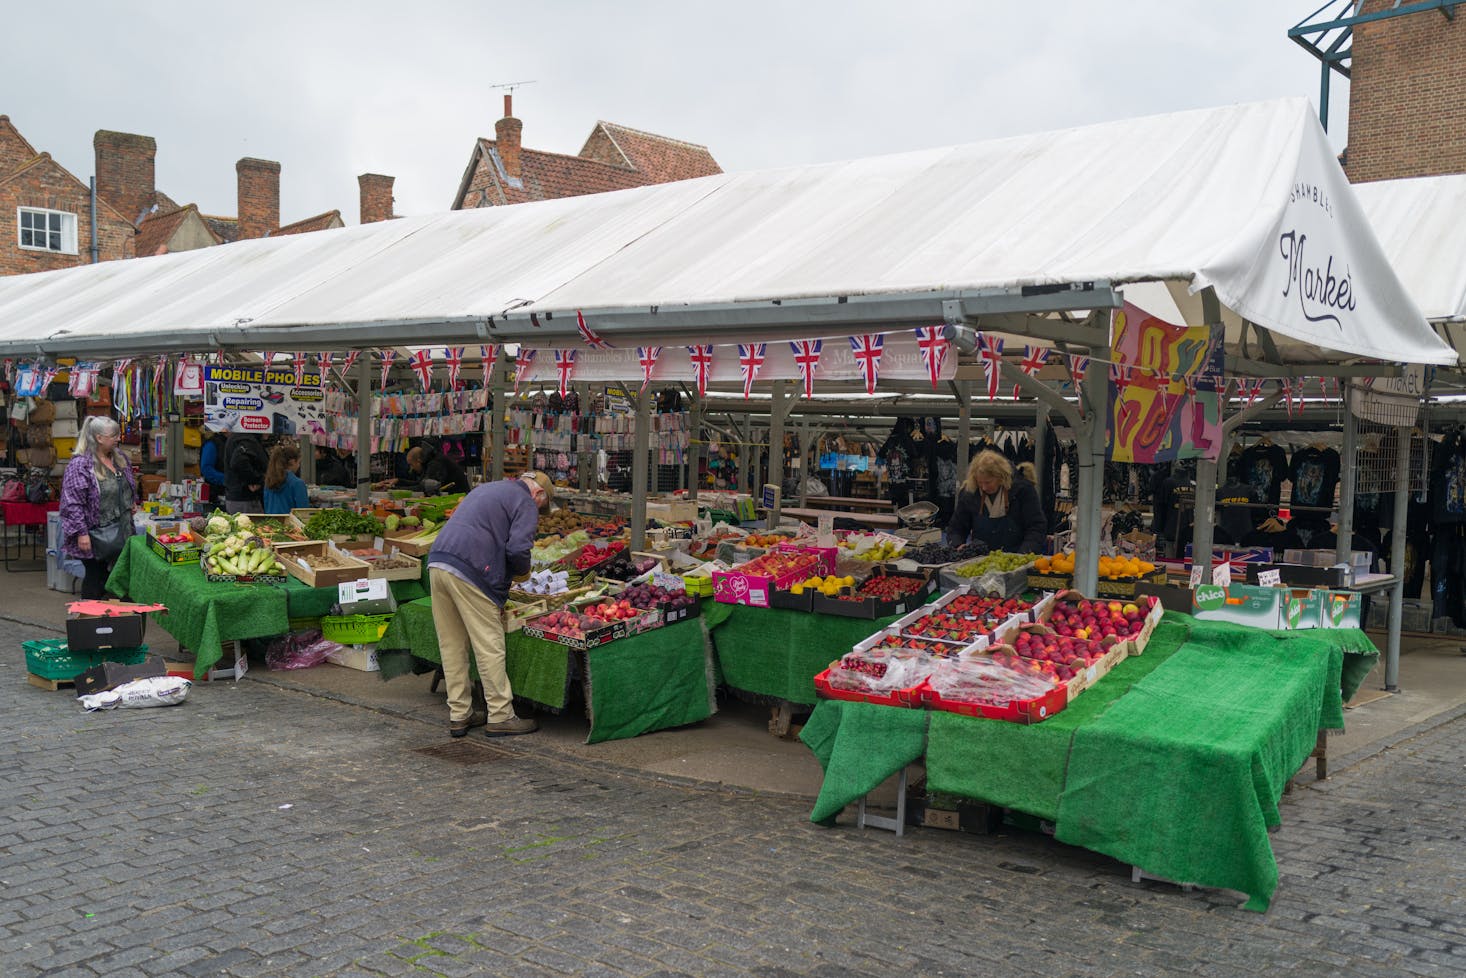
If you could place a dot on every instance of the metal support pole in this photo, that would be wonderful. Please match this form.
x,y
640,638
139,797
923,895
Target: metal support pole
x,y
1040,447
494,428
780,409
640,459
173,464
1397,558
585,451
1348,483
694,447
805,469
1206,469
964,427
364,427
307,460
1091,497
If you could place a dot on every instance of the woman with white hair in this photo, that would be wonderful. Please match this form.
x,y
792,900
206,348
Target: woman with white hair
x,y
98,497
1000,510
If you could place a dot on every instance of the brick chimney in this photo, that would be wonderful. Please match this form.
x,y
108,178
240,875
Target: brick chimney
x,y
376,197
507,131
124,166
259,197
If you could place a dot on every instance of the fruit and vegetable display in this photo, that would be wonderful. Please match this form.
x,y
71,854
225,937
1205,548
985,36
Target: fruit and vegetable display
x,y
323,561
624,567
763,541
551,549
965,617
590,557
382,561
880,671
560,523
941,553
232,549
829,585
395,523
277,529
1110,568
649,596
1084,618
174,539
779,563
612,611
1078,634
342,522
886,587
567,623
708,546
995,562
435,509
872,548
940,648
989,682
545,582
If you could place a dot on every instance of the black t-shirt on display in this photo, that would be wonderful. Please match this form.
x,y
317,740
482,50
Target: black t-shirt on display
x,y
1264,467
1315,476
1236,521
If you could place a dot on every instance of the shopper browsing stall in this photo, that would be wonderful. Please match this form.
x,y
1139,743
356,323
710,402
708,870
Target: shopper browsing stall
x,y
428,464
477,553
245,462
284,490
998,509
98,497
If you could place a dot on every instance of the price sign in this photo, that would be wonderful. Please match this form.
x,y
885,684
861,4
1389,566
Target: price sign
x,y
826,529
1269,578
1196,572
1221,575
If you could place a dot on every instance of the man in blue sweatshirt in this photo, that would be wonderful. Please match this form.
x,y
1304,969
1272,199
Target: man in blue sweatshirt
x,y
473,559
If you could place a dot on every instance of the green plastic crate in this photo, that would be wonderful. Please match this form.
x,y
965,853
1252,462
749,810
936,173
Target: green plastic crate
x,y
52,659
354,629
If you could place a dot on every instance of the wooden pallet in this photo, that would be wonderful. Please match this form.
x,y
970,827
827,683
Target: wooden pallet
x,y
42,682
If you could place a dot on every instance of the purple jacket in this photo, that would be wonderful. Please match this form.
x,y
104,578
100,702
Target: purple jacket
x,y
81,503
490,536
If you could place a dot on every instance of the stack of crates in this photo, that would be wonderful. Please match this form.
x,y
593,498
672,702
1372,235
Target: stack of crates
x,y
52,659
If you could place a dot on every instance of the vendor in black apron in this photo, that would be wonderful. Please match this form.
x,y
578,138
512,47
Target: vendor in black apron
x,y
998,509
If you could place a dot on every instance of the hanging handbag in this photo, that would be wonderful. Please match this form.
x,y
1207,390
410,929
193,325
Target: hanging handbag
x,y
109,538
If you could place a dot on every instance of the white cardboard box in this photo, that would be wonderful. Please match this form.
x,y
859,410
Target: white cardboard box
x,y
360,657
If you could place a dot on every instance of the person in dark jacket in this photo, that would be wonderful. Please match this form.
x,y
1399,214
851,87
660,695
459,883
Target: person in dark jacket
x,y
245,462
426,463
994,507
331,470
209,466
475,556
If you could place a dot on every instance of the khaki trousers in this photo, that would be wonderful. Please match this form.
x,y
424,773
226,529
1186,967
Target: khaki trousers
x,y
465,619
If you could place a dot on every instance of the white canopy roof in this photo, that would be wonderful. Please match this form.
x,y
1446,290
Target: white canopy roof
x,y
1245,199
1421,224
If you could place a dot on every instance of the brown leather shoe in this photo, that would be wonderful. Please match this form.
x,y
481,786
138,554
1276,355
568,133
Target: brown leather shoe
x,y
460,728
510,727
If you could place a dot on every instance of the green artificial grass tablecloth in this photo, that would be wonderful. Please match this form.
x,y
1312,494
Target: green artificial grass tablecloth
x,y
1174,762
653,681
776,652
202,616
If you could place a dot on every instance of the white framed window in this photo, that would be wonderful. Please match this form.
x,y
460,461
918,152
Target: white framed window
x,y
47,230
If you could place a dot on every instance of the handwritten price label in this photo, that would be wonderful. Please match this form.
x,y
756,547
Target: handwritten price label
x,y
1269,578
1196,572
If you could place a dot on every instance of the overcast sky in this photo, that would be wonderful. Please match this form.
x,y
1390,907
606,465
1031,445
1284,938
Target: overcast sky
x,y
332,89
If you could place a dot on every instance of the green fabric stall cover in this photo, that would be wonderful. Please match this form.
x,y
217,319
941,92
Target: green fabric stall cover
x,y
1182,775
859,745
653,681
1022,766
313,602
202,616
777,652
539,671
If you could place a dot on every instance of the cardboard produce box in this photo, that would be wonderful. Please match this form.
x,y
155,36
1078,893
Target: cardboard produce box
x,y
123,631
110,675
293,557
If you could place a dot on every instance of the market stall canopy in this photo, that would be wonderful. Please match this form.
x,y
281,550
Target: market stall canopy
x,y
1421,224
1247,200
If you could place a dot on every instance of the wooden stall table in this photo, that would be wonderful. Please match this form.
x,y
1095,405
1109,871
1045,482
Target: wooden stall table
x,y
1174,763
879,521
653,681
19,520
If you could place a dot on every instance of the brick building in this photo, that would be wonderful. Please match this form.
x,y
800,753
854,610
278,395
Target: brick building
x,y
1407,95
502,171
45,212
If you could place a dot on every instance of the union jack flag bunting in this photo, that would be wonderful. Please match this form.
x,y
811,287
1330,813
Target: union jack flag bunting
x,y
1078,367
750,362
522,366
453,357
933,342
488,356
1034,357
991,348
268,357
421,363
591,337
647,357
702,365
299,361
324,360
389,357
351,357
565,364
867,349
807,356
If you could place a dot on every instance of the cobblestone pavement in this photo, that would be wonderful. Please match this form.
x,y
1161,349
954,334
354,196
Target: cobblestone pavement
x,y
259,831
